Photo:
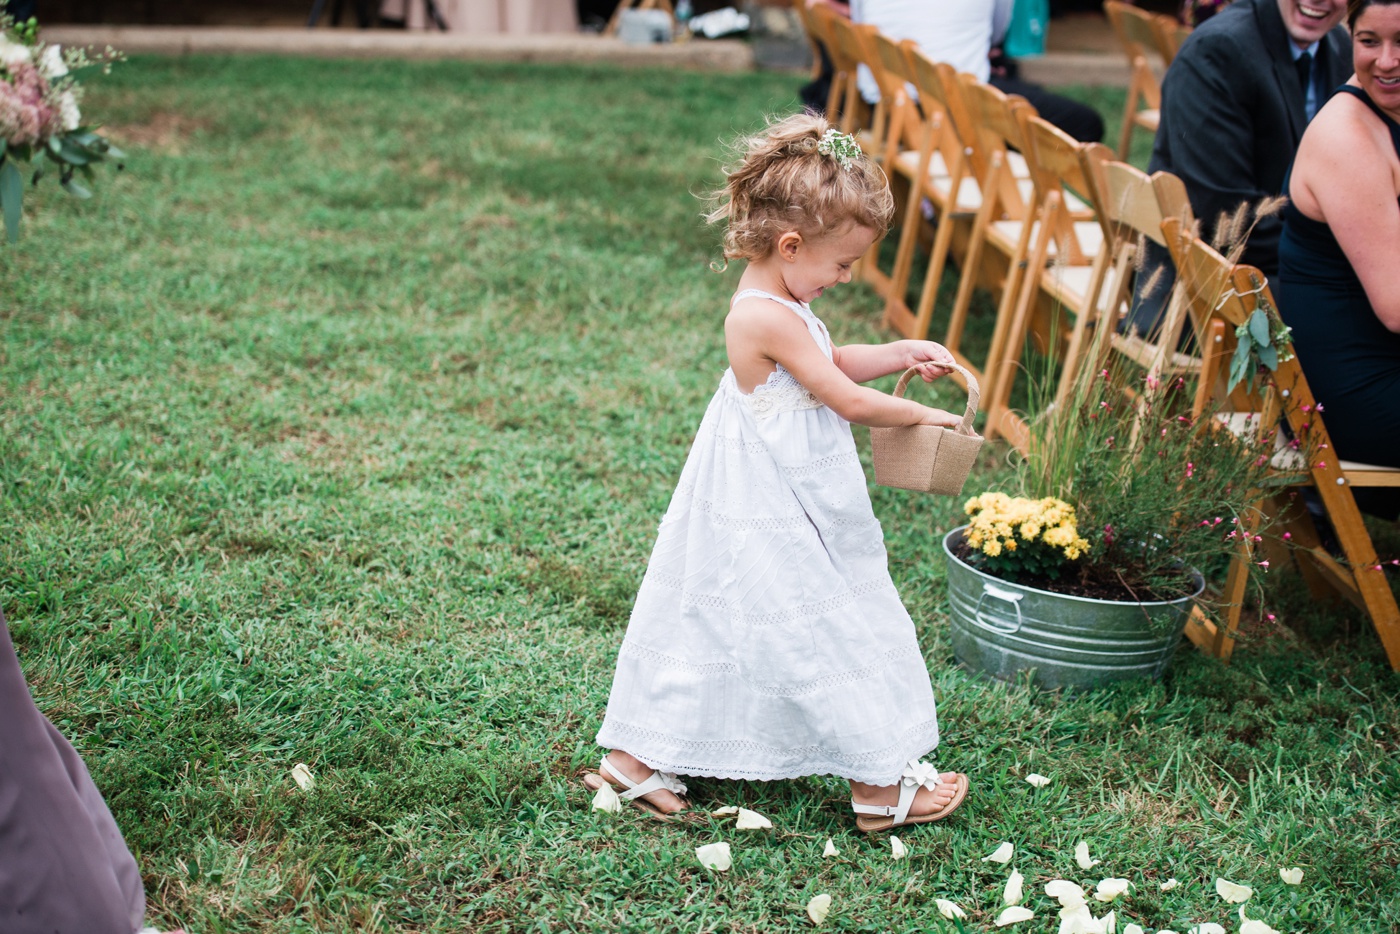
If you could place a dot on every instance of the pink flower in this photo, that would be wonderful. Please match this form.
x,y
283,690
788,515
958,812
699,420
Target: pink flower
x,y
1319,407
1190,469
1306,408
1264,564
1288,536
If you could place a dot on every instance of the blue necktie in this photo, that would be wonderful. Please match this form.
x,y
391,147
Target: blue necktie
x,y
1304,65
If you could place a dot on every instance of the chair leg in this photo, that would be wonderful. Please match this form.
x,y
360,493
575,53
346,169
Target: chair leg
x,y
968,275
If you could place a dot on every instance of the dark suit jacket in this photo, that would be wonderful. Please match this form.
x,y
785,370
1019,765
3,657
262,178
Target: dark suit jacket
x,y
1232,114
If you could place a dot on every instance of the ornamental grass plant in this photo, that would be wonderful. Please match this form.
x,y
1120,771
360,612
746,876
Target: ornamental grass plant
x,y
1134,491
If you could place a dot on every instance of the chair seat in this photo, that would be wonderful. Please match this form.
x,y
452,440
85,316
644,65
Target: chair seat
x,y
1089,234
1148,119
1291,460
907,164
1143,352
969,193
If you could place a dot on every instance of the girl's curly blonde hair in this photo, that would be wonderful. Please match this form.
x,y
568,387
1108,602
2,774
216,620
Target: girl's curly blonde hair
x,y
782,183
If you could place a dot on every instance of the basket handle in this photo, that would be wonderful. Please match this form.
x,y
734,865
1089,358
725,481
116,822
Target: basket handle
x,y
974,392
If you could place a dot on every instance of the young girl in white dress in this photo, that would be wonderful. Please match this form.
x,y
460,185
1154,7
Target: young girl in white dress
x,y
767,640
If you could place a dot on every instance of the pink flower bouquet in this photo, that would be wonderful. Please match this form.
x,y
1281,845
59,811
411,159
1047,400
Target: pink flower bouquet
x,y
40,122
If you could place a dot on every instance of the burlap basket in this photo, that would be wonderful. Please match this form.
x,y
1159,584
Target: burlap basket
x,y
927,458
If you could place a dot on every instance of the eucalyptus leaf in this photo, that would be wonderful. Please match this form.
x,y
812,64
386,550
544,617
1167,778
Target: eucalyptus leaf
x,y
11,191
76,189
1269,357
1259,327
1239,364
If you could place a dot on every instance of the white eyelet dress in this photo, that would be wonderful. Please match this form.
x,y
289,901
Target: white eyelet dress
x,y
767,640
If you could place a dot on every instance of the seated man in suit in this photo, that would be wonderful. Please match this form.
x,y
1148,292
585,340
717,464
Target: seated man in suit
x,y
1235,103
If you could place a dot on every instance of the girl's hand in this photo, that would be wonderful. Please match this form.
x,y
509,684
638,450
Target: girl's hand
x,y
933,360
940,418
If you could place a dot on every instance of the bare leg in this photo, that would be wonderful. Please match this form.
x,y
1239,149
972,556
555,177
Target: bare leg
x,y
925,801
639,771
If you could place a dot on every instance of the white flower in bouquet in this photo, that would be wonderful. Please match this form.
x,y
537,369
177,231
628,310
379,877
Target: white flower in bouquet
x,y
68,113
13,53
51,64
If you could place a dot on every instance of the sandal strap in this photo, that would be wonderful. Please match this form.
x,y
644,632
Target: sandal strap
x,y
917,774
656,782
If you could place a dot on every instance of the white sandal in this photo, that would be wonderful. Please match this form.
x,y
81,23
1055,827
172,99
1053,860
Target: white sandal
x,y
916,775
635,791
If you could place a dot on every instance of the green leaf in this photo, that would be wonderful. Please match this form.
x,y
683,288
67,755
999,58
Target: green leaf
x,y
1239,364
76,189
1269,357
1259,327
11,191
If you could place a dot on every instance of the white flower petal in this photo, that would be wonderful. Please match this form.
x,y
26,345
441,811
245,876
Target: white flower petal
x,y
1292,876
1255,926
1209,927
1065,892
1169,885
1013,915
752,820
897,848
1109,889
1131,928
830,848
818,907
1039,781
1081,855
1232,892
1110,922
728,811
606,799
1001,854
949,909
714,856
1011,895
301,774
1077,919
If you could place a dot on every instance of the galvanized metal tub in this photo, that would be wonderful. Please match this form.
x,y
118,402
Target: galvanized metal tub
x,y
1005,629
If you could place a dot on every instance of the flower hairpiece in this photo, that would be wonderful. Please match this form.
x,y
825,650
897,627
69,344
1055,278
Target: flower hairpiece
x,y
840,146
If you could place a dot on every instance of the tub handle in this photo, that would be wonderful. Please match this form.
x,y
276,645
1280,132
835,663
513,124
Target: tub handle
x,y
996,593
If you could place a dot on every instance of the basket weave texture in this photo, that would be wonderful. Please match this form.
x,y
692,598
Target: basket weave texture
x,y
927,458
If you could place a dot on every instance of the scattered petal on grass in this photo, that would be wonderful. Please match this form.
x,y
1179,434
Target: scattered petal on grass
x,y
1169,885
1209,927
1131,928
1292,876
949,909
818,907
714,856
1110,922
1013,915
1109,889
1081,855
606,799
1078,919
1039,781
1011,895
1066,893
301,774
1255,926
1001,854
752,820
897,848
1232,892
830,848
728,811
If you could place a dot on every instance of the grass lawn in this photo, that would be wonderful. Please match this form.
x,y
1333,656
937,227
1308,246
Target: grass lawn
x,y
336,430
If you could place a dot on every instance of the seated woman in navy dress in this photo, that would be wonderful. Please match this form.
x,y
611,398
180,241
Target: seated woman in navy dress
x,y
1339,257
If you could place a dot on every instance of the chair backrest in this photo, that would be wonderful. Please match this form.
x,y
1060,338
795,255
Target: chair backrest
x,y
815,36
1171,34
893,72
850,48
1135,28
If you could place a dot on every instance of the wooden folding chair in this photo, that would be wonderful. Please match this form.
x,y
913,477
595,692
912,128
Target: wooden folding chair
x,y
1000,237
1132,206
1138,37
814,39
818,19
1066,266
906,133
850,44
1226,296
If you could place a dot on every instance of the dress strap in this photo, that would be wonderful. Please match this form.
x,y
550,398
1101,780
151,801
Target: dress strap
x,y
1390,124
751,293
